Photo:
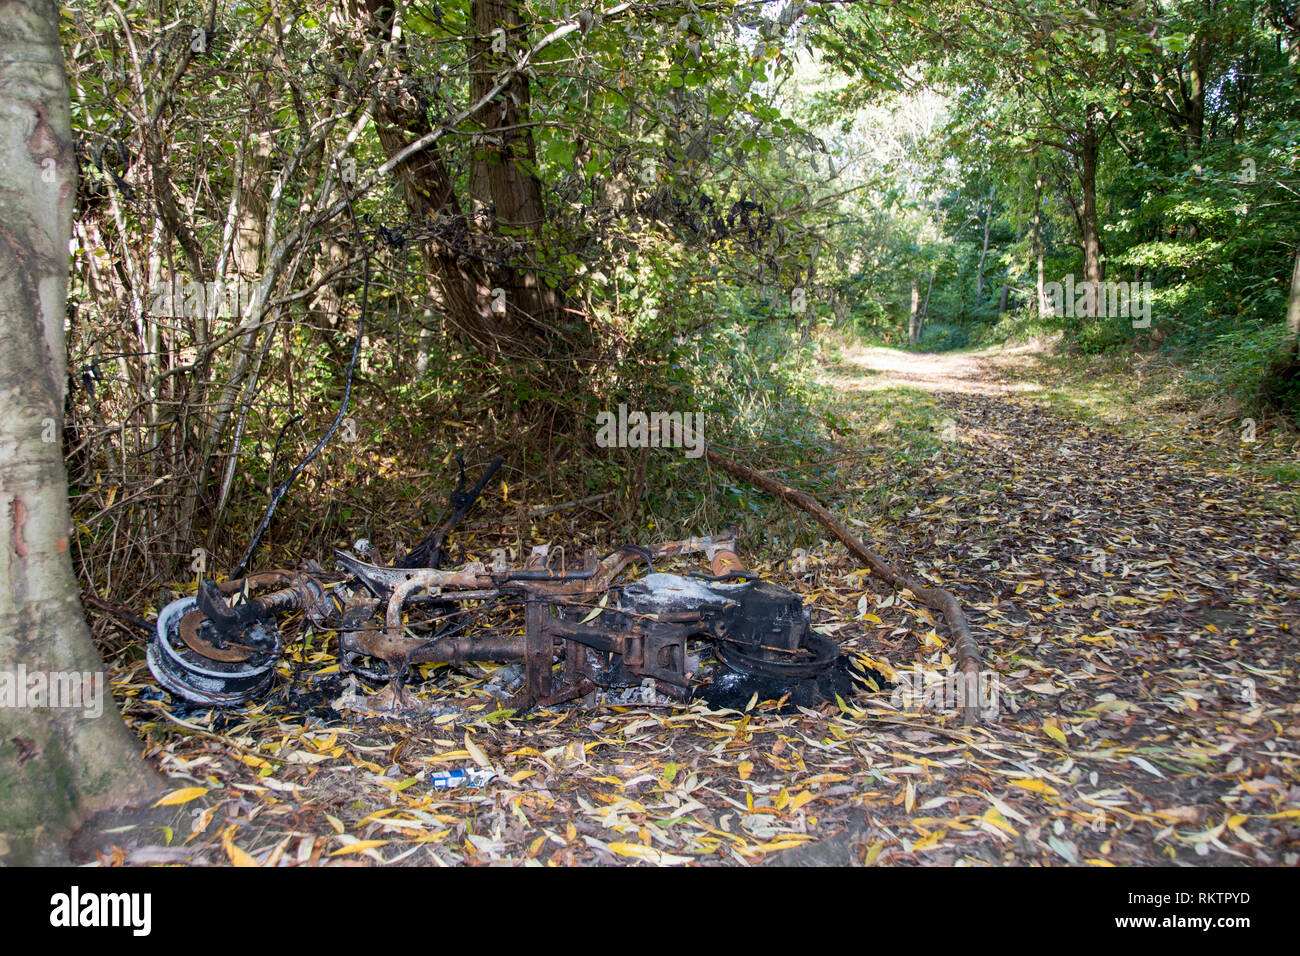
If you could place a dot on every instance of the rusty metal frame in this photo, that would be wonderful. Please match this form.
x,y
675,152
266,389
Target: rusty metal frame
x,y
645,636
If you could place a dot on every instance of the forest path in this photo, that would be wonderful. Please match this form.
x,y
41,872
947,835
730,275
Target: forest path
x,y
1138,599
995,371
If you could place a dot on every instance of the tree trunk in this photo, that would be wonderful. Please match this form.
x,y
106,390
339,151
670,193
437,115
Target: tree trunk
x,y
1094,269
510,159
1006,294
914,314
253,198
1193,93
1295,36
502,162
984,252
1293,311
1038,240
925,309
57,764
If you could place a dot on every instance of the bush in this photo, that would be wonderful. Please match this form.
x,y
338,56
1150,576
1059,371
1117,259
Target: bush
x,y
941,337
1018,325
871,320
1247,363
1093,336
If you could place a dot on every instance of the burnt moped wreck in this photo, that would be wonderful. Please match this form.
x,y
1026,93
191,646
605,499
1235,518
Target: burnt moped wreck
x,y
220,646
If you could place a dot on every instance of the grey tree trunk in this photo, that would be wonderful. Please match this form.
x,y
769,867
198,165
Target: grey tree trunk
x,y
57,764
1293,309
913,332
1038,241
253,198
925,309
984,251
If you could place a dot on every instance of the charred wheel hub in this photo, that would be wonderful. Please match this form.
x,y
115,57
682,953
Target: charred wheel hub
x,y
189,669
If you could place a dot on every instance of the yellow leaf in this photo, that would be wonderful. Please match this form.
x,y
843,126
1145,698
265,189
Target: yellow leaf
x,y
746,768
828,778
804,796
784,843
639,850
237,856
729,836
440,758
1034,784
930,842
642,852
184,795
993,815
359,847
1053,729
